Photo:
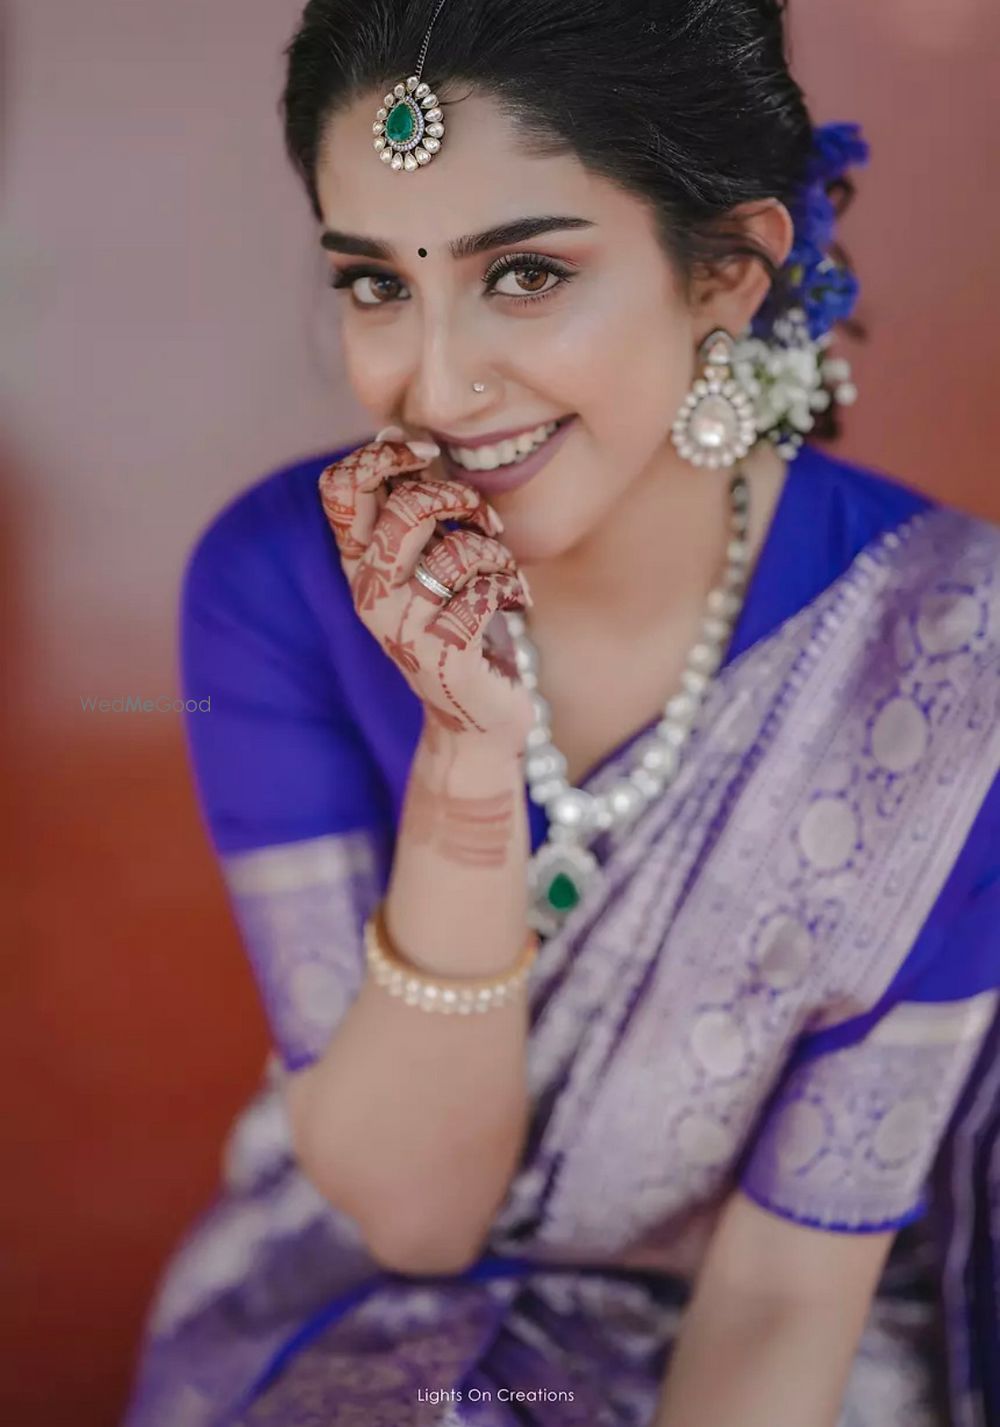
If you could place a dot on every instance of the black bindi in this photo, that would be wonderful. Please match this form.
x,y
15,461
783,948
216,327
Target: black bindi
x,y
422,252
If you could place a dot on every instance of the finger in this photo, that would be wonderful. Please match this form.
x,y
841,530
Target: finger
x,y
348,490
461,623
461,554
407,521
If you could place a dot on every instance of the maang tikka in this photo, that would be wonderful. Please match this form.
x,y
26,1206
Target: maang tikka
x,y
409,127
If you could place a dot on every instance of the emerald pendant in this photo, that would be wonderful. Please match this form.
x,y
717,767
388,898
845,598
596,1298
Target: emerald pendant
x,y
563,894
558,875
401,125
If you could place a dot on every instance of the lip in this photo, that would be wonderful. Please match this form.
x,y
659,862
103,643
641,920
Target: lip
x,y
509,478
492,438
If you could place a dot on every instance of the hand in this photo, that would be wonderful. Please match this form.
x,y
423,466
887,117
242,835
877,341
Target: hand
x,y
454,654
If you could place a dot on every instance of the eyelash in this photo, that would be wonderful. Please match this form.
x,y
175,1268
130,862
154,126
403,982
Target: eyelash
x,y
509,262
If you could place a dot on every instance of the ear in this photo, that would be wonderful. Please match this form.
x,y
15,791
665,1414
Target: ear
x,y
732,294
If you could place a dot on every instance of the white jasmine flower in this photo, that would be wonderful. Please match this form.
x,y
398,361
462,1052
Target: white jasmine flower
x,y
786,378
835,369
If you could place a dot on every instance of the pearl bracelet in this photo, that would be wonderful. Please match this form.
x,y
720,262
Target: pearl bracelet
x,y
447,994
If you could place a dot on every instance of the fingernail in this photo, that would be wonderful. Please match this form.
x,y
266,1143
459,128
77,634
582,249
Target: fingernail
x,y
390,433
424,450
496,524
526,588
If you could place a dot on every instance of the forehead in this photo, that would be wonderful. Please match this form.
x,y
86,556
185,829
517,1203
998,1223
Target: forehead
x,y
481,175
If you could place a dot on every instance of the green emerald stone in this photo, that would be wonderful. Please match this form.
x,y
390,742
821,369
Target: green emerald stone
x,y
563,894
401,124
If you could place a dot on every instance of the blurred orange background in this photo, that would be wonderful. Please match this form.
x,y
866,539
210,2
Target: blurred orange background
x,y
167,340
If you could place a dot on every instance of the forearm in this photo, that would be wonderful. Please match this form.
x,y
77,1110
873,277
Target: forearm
x,y
413,1122
750,1364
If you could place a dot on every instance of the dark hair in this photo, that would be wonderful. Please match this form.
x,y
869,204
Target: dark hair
x,y
687,103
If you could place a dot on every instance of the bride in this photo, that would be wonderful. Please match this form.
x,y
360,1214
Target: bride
x,y
605,777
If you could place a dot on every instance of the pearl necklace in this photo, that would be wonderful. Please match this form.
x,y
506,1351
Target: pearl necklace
x,y
563,865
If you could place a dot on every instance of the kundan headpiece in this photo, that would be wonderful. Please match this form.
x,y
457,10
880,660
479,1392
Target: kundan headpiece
x,y
409,127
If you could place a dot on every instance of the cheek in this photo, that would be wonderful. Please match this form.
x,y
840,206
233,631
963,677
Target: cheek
x,y
623,360
372,362
646,387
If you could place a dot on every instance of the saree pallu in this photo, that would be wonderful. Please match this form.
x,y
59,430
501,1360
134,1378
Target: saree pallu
x,y
734,1003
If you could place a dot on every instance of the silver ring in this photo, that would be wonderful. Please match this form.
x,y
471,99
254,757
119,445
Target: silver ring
x,y
428,581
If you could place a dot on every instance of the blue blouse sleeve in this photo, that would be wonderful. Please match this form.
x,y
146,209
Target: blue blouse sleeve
x,y
291,795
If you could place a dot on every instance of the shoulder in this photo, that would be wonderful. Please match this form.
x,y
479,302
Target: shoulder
x,y
265,567
268,525
927,577
922,540
854,502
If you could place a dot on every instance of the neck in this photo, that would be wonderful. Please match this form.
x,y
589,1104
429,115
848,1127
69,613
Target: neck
x,y
662,545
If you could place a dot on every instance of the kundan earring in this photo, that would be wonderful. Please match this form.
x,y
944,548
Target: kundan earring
x,y
716,425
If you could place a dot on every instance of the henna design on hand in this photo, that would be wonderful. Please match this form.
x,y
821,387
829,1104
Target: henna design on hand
x,y
407,522
347,490
460,554
442,719
462,622
386,516
402,654
470,832
464,619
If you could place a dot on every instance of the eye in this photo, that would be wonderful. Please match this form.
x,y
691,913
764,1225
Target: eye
x,y
369,287
523,278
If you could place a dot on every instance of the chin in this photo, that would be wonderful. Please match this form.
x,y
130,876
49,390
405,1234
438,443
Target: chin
x,y
535,537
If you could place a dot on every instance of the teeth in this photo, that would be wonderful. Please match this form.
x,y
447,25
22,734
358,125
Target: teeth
x,y
488,458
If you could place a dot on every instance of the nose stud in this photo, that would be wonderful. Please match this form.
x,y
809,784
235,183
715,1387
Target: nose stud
x,y
479,388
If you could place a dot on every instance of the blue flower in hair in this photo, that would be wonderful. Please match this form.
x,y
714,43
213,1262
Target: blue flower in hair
x,y
826,292
814,216
829,292
836,148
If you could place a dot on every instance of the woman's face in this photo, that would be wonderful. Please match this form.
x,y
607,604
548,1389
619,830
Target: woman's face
x,y
584,322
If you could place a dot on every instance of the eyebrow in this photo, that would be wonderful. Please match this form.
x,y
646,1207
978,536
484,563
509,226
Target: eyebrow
x,y
517,231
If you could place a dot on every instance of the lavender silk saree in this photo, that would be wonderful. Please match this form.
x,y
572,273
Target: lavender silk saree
x,y
786,980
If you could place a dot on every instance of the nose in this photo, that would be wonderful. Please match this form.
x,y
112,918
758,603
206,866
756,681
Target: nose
x,y
441,393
